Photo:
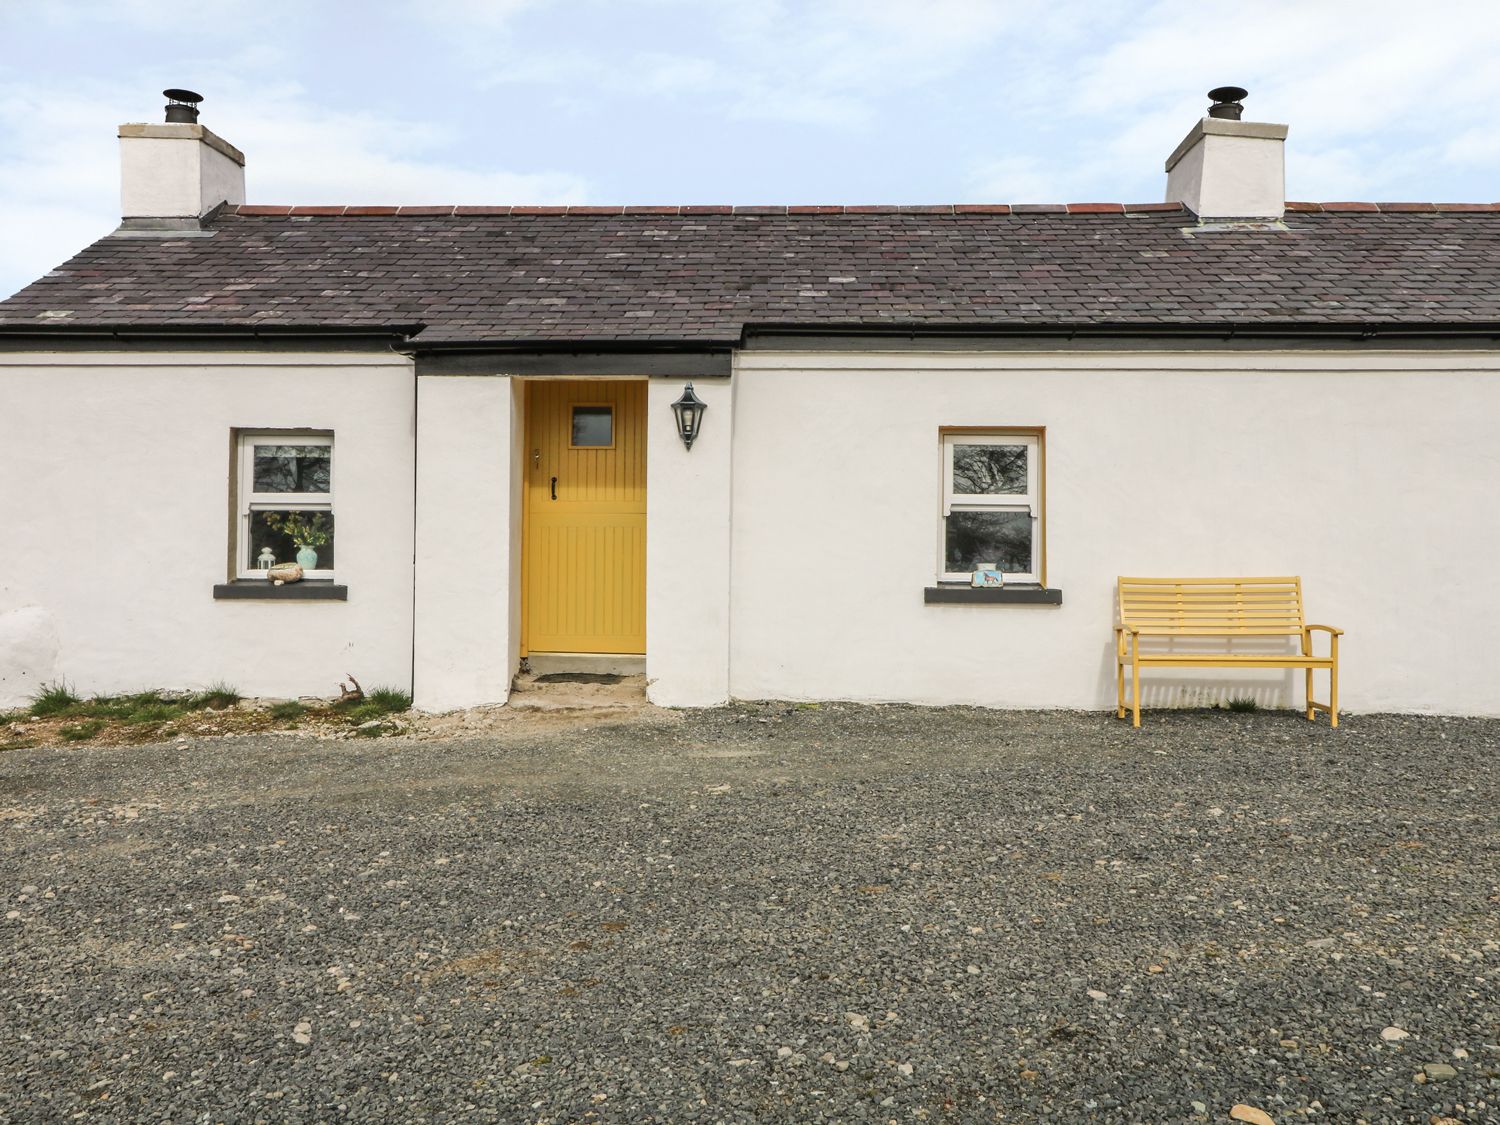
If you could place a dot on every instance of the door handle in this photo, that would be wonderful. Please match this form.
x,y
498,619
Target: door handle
x,y
554,488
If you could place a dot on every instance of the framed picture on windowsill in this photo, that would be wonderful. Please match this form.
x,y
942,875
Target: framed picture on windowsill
x,y
987,577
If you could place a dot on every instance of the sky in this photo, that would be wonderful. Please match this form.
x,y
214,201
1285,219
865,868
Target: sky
x,y
734,101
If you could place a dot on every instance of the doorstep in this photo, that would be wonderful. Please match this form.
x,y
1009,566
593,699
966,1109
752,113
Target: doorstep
x,y
603,663
620,693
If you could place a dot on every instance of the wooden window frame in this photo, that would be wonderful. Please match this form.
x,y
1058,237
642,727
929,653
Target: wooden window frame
x,y
247,501
572,406
1033,501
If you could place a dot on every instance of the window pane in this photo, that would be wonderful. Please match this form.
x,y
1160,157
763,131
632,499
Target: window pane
x,y
292,468
593,425
989,470
280,531
999,538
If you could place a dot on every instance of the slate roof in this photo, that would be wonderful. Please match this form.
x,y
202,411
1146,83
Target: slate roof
x,y
700,275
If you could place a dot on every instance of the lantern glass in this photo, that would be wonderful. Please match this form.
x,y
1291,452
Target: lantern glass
x,y
689,411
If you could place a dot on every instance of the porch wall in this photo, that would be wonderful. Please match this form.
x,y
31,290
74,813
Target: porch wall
x,y
470,439
688,565
1371,475
114,522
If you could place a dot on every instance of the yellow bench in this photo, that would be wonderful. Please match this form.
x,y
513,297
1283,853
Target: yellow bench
x,y
1233,608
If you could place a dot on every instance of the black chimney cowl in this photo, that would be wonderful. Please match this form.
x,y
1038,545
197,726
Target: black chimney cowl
x,y
1226,101
182,106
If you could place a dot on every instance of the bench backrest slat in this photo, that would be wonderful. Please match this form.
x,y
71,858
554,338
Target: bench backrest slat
x,y
1212,606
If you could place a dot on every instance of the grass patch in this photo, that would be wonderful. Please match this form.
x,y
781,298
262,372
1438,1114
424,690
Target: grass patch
x,y
390,700
58,714
377,704
53,699
153,711
1243,703
219,697
134,708
138,707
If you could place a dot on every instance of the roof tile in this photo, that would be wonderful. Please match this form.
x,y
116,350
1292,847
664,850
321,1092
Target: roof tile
x,y
701,273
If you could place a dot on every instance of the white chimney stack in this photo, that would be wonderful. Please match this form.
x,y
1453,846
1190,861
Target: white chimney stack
x,y
178,170
1226,168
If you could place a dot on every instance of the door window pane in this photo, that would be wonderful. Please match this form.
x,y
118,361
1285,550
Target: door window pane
x,y
1002,539
593,426
292,468
989,470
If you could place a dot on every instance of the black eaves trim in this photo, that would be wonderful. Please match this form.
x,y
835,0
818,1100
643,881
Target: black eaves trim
x,y
478,359
204,337
309,590
979,595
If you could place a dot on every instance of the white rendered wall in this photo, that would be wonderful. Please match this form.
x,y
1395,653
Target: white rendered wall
x,y
114,522
1230,169
687,547
1373,476
177,171
469,437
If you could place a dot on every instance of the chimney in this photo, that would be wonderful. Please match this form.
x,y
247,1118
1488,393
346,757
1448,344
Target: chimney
x,y
1226,168
175,173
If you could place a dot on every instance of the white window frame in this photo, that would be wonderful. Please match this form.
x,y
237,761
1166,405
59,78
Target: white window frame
x,y
1030,502
250,501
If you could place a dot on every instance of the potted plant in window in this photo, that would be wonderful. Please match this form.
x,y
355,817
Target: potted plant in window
x,y
308,531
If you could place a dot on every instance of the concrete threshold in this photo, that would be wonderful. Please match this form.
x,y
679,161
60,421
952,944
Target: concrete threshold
x,y
601,663
629,692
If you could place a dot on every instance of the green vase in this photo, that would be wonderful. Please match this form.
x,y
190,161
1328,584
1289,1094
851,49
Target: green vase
x,y
307,558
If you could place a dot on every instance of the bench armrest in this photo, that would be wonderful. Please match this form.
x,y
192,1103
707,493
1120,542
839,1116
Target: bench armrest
x,y
1325,628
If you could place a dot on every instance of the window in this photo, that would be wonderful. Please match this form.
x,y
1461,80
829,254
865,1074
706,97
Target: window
x,y
285,498
992,504
593,427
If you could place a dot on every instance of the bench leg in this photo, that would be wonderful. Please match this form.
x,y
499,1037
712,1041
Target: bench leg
x,y
1310,711
1119,689
1333,686
1135,690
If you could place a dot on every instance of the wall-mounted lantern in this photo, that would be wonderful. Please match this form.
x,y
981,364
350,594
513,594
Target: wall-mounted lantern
x,y
689,410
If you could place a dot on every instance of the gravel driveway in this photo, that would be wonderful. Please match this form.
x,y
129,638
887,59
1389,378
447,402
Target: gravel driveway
x,y
761,913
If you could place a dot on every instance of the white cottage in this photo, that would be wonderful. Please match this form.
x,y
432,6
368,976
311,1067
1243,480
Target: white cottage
x,y
461,420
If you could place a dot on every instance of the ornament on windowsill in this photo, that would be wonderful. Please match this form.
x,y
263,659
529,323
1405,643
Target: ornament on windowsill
x,y
987,576
266,559
282,573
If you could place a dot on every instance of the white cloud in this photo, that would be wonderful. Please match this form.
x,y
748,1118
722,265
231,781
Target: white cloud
x,y
295,154
1015,179
1362,84
830,63
469,16
1047,100
59,176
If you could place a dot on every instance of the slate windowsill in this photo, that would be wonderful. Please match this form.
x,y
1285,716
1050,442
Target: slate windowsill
x,y
258,589
979,595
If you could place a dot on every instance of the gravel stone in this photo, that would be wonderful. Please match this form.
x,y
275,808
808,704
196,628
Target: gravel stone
x,y
632,919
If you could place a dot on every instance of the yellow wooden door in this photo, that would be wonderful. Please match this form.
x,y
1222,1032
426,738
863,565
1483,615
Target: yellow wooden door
x,y
584,565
